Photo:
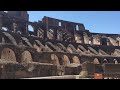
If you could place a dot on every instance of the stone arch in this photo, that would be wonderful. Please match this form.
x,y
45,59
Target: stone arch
x,y
96,61
26,56
66,60
10,37
38,48
69,49
8,54
55,59
27,42
72,48
51,46
62,47
76,60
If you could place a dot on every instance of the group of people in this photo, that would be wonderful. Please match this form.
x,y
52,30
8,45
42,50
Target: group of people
x,y
114,60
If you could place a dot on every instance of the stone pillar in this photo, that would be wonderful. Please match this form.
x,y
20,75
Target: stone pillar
x,y
81,39
96,40
108,42
118,43
26,27
55,33
4,74
14,26
84,72
86,38
1,70
90,40
46,29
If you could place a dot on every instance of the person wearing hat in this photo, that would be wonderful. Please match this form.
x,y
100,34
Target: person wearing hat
x,y
105,61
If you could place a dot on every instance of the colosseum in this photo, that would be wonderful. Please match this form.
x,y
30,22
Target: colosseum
x,y
56,49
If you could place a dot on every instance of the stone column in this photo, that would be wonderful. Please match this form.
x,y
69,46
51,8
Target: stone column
x,y
86,38
14,26
108,42
55,33
84,72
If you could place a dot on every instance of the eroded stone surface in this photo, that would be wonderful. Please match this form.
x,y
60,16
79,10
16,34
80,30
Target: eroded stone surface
x,y
54,47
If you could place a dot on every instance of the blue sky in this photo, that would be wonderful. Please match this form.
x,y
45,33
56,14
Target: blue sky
x,y
95,21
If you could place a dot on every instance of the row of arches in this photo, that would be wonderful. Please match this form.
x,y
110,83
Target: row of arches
x,y
49,46
23,27
16,25
103,61
30,28
64,60
76,60
80,49
97,39
9,55
85,38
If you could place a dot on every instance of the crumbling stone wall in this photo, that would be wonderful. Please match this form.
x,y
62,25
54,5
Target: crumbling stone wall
x,y
54,47
96,39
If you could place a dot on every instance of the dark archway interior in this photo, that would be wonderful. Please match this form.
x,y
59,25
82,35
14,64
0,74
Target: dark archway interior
x,y
103,41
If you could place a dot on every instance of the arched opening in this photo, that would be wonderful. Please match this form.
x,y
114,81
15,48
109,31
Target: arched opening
x,y
30,28
8,54
9,38
77,27
55,59
26,57
96,61
76,60
59,24
66,60
103,41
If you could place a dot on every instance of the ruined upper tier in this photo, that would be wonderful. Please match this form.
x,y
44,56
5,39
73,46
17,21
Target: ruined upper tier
x,y
53,47
54,29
